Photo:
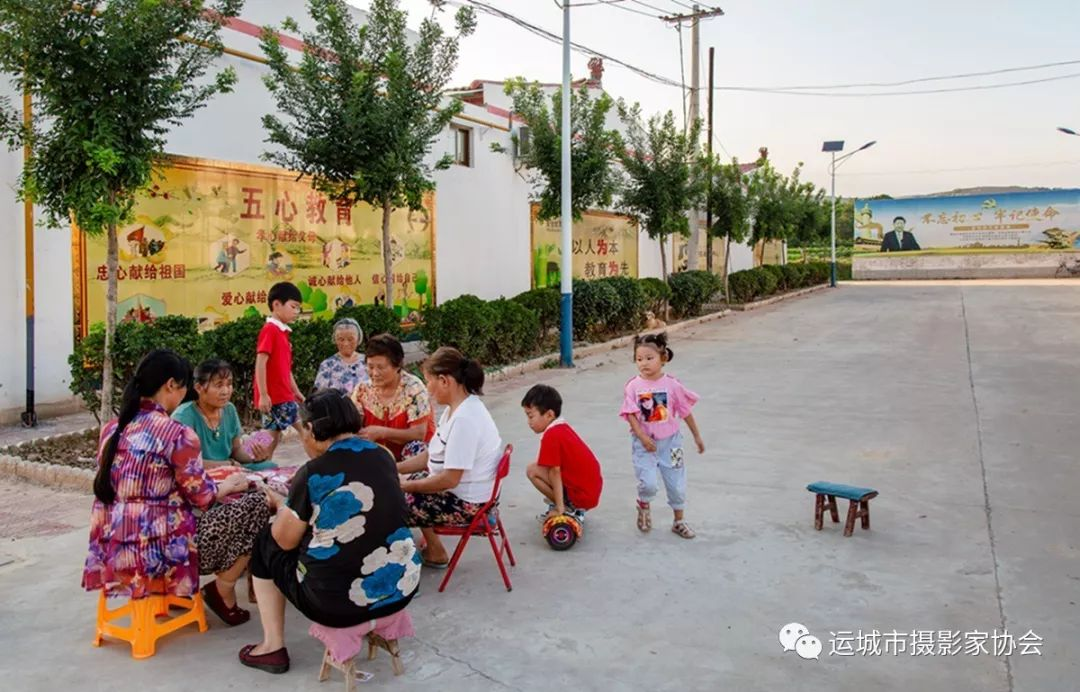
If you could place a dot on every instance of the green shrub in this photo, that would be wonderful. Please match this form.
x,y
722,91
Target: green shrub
x,y
373,319
627,313
743,286
768,281
312,343
592,306
657,294
466,323
777,272
545,303
133,341
793,277
690,290
843,271
516,327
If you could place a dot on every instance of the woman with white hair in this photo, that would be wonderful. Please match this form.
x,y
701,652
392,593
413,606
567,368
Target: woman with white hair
x,y
346,369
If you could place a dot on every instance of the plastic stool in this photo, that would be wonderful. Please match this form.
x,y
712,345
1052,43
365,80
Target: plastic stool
x,y
145,630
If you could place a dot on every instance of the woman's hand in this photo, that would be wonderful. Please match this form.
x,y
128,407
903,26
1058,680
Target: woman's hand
x,y
259,452
373,433
274,500
236,483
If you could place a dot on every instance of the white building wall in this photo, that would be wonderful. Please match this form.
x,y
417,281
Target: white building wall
x,y
53,303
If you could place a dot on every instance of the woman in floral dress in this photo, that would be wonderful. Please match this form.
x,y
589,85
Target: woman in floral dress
x,y
338,550
345,370
145,538
395,405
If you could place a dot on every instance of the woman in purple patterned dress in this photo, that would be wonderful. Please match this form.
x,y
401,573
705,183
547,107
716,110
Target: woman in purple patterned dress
x,y
144,533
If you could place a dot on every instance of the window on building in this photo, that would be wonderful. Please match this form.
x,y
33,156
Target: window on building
x,y
462,146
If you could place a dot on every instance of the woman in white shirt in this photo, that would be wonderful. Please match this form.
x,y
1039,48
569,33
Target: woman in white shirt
x,y
452,480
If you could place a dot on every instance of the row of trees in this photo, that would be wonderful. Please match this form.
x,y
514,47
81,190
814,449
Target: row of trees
x,y
109,79
655,172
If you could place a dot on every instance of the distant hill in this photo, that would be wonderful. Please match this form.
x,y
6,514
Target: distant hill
x,y
989,190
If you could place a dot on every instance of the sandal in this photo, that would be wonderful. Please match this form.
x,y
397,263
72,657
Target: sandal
x,y
230,616
275,662
644,518
682,529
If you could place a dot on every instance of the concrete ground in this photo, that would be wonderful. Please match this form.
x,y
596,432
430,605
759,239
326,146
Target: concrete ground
x,y
957,402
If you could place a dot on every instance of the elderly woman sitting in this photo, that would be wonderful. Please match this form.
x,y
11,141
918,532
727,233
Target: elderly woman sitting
x,y
145,537
345,370
395,405
338,550
214,419
452,480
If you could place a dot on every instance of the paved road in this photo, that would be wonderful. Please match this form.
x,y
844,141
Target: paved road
x,y
956,401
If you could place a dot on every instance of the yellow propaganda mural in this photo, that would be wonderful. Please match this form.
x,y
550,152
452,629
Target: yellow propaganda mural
x,y
768,252
604,244
210,238
682,251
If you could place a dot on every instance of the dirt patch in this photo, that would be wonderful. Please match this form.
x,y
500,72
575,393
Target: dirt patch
x,y
78,450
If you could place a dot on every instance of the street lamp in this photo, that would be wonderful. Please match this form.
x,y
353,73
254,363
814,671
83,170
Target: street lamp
x,y
1068,131
832,147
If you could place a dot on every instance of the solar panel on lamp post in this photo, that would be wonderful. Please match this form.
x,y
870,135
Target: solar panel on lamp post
x,y
833,146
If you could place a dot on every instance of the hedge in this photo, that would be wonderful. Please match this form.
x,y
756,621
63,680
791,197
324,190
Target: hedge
x,y
657,294
762,282
691,290
312,342
545,303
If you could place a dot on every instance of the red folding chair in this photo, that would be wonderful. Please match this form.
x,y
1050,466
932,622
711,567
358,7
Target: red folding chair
x,y
486,522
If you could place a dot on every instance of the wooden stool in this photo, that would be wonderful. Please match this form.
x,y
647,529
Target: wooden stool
x,y
348,667
826,494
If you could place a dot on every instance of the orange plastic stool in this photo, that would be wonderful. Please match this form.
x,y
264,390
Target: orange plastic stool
x,y
145,630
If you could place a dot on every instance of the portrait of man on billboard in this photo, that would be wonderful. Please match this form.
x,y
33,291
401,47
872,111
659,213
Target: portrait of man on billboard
x,y
899,239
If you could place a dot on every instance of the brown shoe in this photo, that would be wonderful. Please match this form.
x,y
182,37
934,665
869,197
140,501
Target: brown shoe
x,y
230,616
275,662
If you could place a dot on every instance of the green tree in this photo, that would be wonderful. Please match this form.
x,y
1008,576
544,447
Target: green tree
x,y
662,181
593,181
360,113
108,80
730,205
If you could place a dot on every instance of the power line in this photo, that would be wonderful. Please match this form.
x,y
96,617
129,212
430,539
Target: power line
x,y
788,91
870,94
906,82
959,170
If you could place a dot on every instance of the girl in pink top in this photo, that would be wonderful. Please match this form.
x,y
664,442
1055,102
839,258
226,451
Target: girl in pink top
x,y
653,404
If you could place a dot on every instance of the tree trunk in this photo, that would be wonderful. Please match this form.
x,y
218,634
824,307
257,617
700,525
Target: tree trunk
x,y
663,258
112,261
727,264
388,259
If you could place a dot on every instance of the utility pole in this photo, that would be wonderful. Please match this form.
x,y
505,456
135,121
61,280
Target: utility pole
x,y
694,17
566,265
709,169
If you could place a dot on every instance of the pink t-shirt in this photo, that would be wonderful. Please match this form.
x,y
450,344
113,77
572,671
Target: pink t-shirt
x,y
659,405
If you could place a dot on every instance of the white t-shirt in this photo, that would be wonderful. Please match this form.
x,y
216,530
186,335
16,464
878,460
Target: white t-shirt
x,y
469,441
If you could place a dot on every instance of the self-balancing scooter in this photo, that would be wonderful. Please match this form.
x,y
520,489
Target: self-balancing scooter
x,y
563,531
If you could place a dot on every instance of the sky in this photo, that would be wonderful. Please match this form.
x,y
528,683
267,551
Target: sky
x,y
925,143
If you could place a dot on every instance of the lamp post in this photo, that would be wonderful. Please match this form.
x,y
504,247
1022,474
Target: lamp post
x,y
832,147
566,268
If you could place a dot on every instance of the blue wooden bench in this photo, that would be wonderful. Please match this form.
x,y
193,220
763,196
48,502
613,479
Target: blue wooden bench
x,y
825,496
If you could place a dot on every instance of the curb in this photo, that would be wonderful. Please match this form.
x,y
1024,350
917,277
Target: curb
x,y
48,475
536,364
754,305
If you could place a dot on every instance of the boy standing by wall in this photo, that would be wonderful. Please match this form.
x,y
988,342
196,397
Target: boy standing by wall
x,y
276,393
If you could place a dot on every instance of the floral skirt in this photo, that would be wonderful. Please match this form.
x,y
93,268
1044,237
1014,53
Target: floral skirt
x,y
438,509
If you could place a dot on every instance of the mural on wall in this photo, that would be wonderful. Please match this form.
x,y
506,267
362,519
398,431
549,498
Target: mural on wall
x,y
1047,220
604,244
210,238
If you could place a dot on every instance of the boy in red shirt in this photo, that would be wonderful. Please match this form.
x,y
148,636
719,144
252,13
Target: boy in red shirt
x,y
276,393
566,471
